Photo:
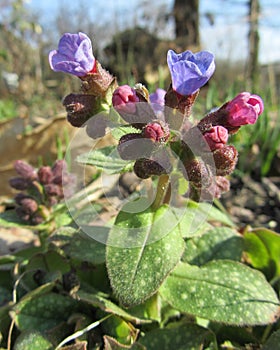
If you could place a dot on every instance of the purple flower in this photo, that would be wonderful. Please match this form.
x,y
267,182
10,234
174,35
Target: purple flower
x,y
158,96
244,109
157,100
74,55
189,71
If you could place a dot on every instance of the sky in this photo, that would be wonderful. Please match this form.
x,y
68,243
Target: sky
x,y
227,38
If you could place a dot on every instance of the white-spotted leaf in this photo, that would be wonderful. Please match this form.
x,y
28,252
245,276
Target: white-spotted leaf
x,y
217,243
152,247
222,291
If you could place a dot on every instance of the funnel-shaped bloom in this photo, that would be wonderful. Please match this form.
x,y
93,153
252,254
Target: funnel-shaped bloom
x,y
244,109
74,55
190,71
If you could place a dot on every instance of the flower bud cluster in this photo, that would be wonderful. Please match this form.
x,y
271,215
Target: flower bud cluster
x,y
40,189
163,130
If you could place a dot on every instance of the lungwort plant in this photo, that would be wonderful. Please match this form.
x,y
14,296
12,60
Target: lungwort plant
x,y
166,269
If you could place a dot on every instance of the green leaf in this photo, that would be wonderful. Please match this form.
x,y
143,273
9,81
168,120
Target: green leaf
x,y
78,245
153,247
43,311
106,158
192,221
262,247
47,267
179,337
112,344
150,309
273,342
215,244
119,329
108,306
32,340
5,320
122,130
222,291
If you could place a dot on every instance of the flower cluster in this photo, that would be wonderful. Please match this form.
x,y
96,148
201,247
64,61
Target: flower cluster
x,y
164,138
40,189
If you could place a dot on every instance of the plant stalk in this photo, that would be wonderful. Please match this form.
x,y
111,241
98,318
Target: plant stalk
x,y
163,192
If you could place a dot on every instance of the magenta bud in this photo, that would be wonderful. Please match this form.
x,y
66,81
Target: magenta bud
x,y
19,183
216,137
25,170
244,109
45,175
124,99
225,160
157,131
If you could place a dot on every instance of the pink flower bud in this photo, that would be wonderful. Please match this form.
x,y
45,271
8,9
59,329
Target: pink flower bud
x,y
25,170
58,168
157,131
124,99
244,109
45,175
53,190
29,205
216,137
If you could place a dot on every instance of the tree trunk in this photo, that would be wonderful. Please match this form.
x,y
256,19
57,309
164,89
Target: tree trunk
x,y
186,16
253,59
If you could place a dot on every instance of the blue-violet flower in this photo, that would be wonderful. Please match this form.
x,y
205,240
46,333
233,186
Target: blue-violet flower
x,y
74,55
190,71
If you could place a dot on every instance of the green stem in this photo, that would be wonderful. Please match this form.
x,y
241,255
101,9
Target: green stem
x,y
163,192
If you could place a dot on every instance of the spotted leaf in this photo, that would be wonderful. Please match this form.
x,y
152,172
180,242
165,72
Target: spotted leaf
x,y
222,291
142,249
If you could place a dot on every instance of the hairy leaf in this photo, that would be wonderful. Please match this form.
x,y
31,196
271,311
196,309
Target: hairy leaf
x,y
106,158
142,249
222,291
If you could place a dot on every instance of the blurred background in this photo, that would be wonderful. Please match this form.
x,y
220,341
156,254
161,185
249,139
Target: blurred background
x,y
131,39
